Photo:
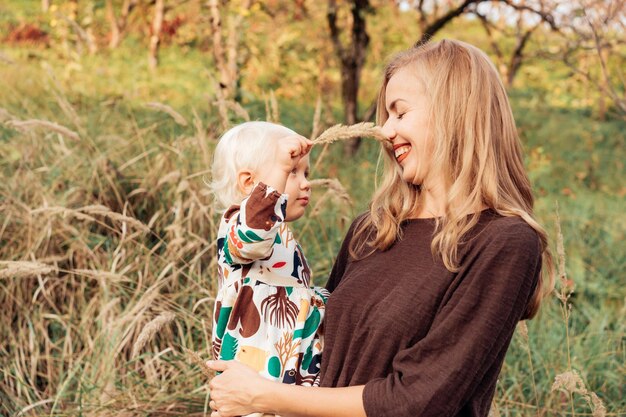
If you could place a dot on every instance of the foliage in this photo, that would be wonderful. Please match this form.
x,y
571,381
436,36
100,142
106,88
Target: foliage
x,y
81,278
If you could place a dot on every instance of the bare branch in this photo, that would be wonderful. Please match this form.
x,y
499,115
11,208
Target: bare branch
x,y
438,24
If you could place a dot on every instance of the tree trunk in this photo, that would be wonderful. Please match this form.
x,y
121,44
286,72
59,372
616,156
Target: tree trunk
x,y
155,39
226,52
45,5
118,26
349,93
352,59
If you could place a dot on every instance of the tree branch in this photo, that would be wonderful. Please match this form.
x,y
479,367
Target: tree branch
x,y
438,24
545,16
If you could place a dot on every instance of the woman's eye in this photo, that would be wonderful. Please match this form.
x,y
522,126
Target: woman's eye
x,y
400,115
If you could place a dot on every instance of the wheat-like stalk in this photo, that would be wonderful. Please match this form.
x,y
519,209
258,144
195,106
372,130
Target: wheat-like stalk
x,y
5,115
317,118
522,329
24,269
273,115
599,410
335,188
106,212
152,328
83,213
110,276
342,132
31,124
238,109
178,118
571,382
195,358
567,285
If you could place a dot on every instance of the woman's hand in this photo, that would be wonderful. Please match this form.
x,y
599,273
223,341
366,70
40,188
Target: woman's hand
x,y
234,391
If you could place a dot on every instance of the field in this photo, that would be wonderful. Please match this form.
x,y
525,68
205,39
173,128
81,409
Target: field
x,y
106,224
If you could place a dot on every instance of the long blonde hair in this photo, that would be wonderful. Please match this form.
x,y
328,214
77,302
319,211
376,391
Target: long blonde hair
x,y
476,147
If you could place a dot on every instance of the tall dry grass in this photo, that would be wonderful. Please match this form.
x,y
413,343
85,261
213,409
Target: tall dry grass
x,y
108,270
98,237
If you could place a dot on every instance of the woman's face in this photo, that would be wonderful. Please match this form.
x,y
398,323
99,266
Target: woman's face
x,y
408,126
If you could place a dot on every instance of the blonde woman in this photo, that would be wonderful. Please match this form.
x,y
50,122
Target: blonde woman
x,y
430,283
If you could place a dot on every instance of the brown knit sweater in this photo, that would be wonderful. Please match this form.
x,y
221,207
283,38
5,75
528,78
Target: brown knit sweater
x,y
425,341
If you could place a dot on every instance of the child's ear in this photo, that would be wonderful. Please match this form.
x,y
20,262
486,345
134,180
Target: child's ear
x,y
245,181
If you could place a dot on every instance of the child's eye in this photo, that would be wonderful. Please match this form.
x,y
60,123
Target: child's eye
x,y
294,171
306,174
399,116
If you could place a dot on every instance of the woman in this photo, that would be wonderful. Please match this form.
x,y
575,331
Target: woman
x,y
430,283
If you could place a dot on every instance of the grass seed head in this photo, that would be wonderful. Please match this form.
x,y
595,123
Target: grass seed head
x,y
178,118
196,359
24,269
341,132
32,124
152,328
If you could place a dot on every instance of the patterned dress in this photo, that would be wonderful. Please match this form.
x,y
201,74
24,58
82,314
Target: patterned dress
x,y
266,314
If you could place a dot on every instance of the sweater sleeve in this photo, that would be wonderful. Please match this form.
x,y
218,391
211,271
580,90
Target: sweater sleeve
x,y
470,333
252,231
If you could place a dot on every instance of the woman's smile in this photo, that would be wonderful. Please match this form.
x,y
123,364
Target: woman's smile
x,y
401,151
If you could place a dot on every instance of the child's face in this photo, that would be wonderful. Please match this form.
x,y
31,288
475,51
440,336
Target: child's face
x,y
298,188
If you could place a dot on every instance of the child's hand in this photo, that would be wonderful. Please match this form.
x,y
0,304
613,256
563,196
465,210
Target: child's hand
x,y
289,151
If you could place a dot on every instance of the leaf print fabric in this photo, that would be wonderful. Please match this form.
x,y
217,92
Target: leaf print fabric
x,y
266,315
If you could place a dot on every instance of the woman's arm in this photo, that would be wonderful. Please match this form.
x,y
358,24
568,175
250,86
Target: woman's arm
x,y
239,390
455,365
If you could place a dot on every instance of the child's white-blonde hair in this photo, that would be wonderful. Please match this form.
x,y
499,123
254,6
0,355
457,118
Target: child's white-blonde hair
x,y
247,146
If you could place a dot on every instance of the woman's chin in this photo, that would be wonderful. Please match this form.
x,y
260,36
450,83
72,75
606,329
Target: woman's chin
x,y
411,178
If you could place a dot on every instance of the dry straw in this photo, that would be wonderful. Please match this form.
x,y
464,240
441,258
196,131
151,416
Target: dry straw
x,y
32,124
271,108
118,217
342,132
152,328
196,359
572,383
334,188
237,109
24,269
178,118
86,212
5,115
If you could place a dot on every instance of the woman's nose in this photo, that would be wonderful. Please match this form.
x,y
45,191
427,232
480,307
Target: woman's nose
x,y
388,130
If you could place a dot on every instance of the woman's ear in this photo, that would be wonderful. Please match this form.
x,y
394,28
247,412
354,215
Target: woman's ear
x,y
245,181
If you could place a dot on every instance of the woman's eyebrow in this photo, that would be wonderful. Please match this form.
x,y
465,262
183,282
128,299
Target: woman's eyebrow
x,y
393,104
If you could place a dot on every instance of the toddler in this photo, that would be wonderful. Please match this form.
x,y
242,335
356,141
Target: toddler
x,y
266,313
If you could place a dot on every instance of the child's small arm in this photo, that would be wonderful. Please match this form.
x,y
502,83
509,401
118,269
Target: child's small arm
x,y
253,230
